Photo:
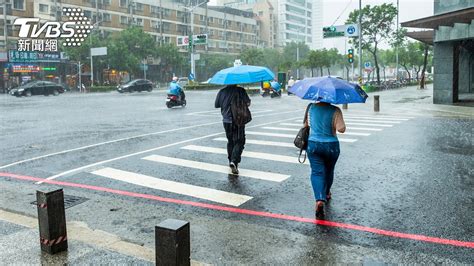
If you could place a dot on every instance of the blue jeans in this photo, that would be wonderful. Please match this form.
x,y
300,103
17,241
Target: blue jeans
x,y
322,158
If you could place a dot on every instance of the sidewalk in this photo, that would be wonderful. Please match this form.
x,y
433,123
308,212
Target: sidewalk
x,y
19,244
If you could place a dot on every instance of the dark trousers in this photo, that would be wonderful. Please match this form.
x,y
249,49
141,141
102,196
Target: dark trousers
x,y
182,96
235,141
322,158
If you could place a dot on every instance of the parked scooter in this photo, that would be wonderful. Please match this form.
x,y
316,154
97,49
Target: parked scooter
x,y
173,100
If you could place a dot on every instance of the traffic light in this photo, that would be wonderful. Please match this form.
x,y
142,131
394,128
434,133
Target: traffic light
x,y
329,29
190,42
350,56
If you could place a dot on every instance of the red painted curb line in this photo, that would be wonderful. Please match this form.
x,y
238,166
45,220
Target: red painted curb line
x,y
376,231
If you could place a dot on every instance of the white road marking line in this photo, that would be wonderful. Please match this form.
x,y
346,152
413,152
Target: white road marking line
x,y
78,169
217,168
352,128
375,118
291,136
255,155
297,129
367,124
371,121
104,143
364,128
264,142
174,187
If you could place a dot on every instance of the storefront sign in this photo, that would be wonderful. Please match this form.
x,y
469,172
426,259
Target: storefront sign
x,y
15,56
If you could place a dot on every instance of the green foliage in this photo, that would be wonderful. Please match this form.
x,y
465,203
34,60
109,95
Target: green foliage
x,y
101,88
252,56
377,26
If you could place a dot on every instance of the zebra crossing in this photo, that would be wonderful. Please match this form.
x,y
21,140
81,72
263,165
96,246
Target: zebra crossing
x,y
265,144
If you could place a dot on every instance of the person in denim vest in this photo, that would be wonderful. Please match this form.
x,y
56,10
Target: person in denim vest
x,y
324,120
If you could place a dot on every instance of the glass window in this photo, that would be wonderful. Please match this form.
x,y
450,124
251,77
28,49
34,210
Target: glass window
x,y
88,13
295,19
139,7
43,8
123,3
19,4
123,20
260,13
295,10
106,17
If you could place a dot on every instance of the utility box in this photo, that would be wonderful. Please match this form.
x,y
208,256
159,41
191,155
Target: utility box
x,y
282,79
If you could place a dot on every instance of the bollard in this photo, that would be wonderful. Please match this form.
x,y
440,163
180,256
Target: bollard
x,y
52,221
344,106
172,243
376,103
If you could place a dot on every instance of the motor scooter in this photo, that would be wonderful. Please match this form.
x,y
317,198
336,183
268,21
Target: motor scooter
x,y
173,100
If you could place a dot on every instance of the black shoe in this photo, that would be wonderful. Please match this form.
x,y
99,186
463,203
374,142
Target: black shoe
x,y
320,210
233,168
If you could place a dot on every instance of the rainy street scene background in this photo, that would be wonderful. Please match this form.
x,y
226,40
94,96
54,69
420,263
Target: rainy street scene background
x,y
266,132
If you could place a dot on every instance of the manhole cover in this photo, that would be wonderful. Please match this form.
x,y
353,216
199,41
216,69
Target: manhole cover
x,y
70,201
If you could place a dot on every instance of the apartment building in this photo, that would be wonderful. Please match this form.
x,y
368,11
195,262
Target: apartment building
x,y
229,30
297,20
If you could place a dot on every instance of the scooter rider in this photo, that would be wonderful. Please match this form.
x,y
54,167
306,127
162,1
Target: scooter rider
x,y
276,88
175,89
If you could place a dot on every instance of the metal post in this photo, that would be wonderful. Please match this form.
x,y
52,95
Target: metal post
x,y
80,76
172,243
376,103
144,69
193,65
396,48
5,26
360,39
298,55
52,221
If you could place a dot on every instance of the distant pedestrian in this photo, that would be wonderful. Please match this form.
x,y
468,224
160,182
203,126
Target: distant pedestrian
x,y
230,99
291,82
324,120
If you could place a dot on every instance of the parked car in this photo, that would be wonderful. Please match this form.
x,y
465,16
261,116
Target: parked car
x,y
136,85
38,88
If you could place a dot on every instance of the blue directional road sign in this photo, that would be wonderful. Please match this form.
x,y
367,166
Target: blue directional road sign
x,y
367,64
351,30
191,76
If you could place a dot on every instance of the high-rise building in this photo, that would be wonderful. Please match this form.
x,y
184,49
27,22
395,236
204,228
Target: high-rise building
x,y
297,20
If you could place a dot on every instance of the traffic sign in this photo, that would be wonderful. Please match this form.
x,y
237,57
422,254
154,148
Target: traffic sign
x,y
182,40
349,30
191,76
367,64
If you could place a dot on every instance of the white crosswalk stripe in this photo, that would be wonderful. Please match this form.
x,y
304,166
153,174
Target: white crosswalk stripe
x,y
376,118
296,130
263,142
367,124
174,187
217,168
351,128
249,154
291,136
371,121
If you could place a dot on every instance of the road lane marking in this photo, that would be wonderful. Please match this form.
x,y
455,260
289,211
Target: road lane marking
x,y
267,176
296,130
367,124
371,121
78,169
344,226
375,118
210,194
291,136
263,142
352,128
249,154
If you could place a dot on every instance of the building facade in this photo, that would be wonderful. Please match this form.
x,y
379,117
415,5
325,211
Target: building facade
x,y
296,20
229,30
451,32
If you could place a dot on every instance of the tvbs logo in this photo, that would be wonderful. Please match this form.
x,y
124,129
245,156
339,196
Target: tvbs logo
x,y
71,33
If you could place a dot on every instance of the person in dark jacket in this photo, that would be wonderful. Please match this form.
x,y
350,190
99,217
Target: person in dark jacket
x,y
235,134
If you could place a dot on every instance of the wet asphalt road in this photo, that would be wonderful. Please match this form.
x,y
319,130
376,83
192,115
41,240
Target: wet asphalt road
x,y
415,177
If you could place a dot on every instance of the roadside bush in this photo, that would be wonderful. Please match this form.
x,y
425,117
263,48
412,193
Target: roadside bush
x,y
101,88
197,86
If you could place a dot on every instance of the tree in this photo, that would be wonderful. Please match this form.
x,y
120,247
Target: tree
x,y
377,27
272,59
252,56
289,55
171,61
315,59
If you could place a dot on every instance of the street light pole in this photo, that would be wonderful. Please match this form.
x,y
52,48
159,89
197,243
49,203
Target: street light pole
x,y
360,38
90,49
298,56
191,11
396,48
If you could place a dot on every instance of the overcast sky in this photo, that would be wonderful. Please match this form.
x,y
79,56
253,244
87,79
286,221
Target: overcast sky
x,y
409,10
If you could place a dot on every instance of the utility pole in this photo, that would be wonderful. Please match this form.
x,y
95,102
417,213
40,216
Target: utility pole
x,y
396,48
79,65
5,26
298,55
191,12
360,39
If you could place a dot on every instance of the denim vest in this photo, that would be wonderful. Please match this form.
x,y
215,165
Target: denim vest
x,y
320,121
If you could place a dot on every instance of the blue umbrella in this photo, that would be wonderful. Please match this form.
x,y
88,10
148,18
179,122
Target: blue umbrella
x,y
329,90
241,75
